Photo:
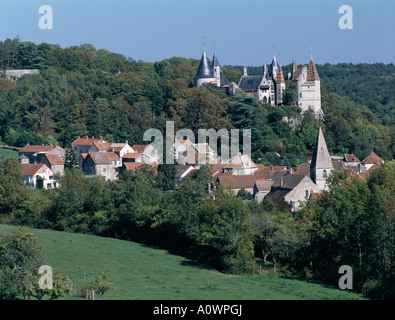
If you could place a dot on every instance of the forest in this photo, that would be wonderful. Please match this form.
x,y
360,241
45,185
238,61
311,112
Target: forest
x,y
84,91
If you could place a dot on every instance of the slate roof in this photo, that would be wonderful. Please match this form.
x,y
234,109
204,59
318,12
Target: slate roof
x,y
287,181
250,83
223,80
204,69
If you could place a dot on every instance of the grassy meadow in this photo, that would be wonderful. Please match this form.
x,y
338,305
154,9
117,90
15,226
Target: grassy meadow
x,y
142,272
8,154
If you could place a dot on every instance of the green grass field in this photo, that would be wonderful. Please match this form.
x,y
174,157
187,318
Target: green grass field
x,y
146,273
8,154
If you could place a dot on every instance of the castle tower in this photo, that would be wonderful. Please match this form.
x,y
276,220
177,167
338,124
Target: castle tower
x,y
321,163
205,72
309,89
216,70
280,86
294,69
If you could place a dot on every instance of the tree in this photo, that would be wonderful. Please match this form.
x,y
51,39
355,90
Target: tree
x,y
20,257
70,159
13,191
100,285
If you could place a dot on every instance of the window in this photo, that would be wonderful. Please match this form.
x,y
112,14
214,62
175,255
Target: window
x,y
307,193
324,174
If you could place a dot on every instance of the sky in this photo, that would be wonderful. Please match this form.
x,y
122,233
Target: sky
x,y
243,32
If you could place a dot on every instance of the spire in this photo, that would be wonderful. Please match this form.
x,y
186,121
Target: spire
x,y
204,69
321,158
312,73
294,66
215,59
280,76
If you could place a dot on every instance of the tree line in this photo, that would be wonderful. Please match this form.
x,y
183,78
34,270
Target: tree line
x,y
351,224
84,91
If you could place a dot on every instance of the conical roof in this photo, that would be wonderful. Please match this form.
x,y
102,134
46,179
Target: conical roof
x,y
215,60
312,73
321,157
280,76
204,70
294,66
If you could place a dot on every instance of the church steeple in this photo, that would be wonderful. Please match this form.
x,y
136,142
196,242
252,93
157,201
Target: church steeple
x,y
321,163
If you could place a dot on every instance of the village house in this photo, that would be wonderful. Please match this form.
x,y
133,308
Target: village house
x,y
120,149
262,189
54,162
182,172
241,164
290,190
143,153
38,176
35,152
237,183
99,164
82,145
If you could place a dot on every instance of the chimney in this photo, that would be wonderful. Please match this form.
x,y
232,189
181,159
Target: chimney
x,y
245,71
281,181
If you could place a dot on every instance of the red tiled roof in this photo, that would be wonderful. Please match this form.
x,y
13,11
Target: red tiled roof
x,y
351,158
36,148
139,148
53,159
100,158
112,156
85,141
372,159
30,169
237,182
135,165
131,155
303,170
102,145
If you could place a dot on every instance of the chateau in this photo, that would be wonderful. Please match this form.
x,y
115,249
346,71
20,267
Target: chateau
x,y
268,87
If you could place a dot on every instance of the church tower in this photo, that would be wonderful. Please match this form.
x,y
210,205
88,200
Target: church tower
x,y
321,163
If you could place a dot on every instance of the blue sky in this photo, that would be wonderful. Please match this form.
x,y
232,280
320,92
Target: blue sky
x,y
244,31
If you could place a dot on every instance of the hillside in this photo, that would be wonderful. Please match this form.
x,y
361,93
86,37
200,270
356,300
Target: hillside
x,y
143,272
83,91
